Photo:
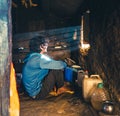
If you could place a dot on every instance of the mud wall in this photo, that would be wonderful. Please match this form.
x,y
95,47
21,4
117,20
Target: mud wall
x,y
104,55
104,36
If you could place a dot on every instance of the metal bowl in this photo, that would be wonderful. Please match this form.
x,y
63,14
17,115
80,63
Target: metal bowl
x,y
108,107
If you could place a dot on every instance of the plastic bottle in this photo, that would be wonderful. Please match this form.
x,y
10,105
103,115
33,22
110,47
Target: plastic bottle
x,y
99,96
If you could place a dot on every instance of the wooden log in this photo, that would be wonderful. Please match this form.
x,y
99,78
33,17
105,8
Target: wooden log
x,y
5,55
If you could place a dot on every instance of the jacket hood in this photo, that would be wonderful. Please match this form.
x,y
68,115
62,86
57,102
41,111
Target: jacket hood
x,y
29,56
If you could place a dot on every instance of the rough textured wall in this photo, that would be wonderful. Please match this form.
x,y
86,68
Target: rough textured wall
x,y
104,56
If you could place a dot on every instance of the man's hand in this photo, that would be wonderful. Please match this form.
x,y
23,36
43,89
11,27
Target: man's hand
x,y
69,61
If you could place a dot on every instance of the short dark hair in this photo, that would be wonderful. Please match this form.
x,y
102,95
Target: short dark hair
x,y
35,43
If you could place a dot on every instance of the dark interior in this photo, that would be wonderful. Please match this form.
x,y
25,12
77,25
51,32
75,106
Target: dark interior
x,y
60,20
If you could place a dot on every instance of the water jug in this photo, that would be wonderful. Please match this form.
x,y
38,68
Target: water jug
x,y
88,85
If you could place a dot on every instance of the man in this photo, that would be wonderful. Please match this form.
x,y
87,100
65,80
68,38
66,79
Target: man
x,y
40,72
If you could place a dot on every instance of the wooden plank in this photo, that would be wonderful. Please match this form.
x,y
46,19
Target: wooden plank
x,y
5,55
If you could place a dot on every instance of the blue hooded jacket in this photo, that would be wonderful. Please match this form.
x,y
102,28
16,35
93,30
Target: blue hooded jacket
x,y
36,67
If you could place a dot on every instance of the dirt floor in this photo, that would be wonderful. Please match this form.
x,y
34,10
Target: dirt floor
x,y
63,105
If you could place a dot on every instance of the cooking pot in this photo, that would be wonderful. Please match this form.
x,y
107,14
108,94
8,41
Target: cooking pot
x,y
108,107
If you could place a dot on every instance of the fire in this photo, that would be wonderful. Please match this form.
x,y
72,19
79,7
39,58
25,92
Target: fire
x,y
84,46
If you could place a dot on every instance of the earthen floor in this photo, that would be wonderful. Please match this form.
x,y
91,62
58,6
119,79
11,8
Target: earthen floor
x,y
63,105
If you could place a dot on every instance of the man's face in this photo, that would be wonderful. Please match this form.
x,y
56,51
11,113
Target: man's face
x,y
44,47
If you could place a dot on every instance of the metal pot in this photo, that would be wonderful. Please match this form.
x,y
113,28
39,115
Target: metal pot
x,y
108,107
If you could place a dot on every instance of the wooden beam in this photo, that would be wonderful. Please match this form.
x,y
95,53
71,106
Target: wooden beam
x,y
5,55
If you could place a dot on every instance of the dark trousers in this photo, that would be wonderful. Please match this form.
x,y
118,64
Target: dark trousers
x,y
54,78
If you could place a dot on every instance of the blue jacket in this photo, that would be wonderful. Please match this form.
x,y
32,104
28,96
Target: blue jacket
x,y
36,67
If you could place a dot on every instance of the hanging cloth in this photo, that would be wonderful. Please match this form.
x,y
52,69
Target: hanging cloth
x,y
14,99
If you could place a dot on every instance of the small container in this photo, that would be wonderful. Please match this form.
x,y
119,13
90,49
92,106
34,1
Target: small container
x,y
80,77
89,84
108,107
68,74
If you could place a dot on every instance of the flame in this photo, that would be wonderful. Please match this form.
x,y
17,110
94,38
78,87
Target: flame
x,y
84,46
